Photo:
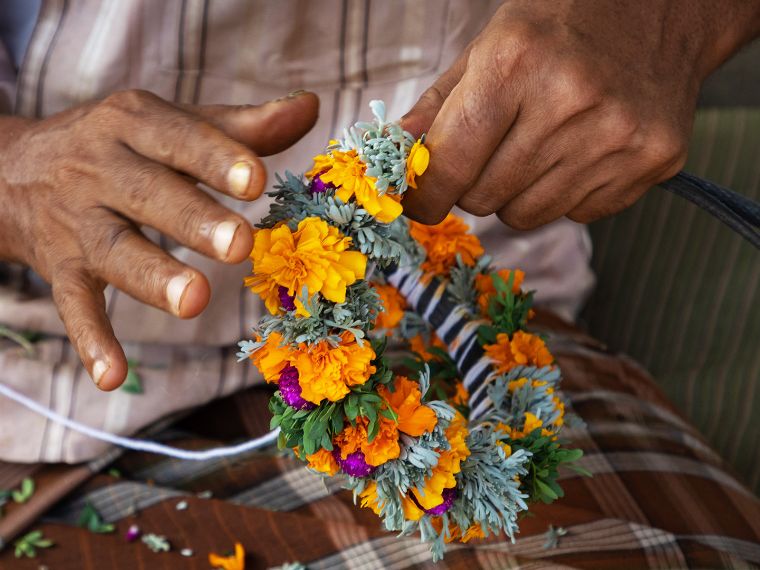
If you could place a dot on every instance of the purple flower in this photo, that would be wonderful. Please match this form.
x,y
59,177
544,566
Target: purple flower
x,y
286,300
291,389
133,533
354,463
318,186
449,496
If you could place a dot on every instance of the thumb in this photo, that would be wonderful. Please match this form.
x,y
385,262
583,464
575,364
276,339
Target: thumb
x,y
269,128
419,119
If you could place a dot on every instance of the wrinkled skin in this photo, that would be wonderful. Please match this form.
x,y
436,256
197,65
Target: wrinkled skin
x,y
77,186
570,107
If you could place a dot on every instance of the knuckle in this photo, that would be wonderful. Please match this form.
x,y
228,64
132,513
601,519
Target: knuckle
x,y
193,214
664,148
619,126
106,243
571,88
130,100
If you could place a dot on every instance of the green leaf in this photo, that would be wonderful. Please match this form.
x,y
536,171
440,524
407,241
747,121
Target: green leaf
x,y
133,383
92,521
25,492
546,492
28,544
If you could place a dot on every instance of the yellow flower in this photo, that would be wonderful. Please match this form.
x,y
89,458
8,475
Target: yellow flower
x,y
449,464
327,372
234,562
522,349
443,242
414,418
486,289
383,448
347,172
531,423
370,499
416,163
271,358
323,461
419,346
393,305
315,256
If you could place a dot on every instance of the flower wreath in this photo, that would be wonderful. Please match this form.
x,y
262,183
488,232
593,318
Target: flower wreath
x,y
459,445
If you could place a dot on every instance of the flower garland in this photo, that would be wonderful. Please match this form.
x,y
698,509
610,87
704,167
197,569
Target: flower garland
x,y
460,434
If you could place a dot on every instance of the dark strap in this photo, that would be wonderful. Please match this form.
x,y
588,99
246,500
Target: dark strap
x,y
736,211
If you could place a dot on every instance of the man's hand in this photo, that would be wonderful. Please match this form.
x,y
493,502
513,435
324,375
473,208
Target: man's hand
x,y
76,187
567,107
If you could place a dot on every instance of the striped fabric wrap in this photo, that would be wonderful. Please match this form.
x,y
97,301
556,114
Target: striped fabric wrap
x,y
455,325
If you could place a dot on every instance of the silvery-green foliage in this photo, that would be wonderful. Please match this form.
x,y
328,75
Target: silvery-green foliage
x,y
461,285
383,146
412,324
510,407
326,320
489,494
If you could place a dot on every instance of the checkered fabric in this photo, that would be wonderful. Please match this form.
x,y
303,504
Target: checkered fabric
x,y
660,497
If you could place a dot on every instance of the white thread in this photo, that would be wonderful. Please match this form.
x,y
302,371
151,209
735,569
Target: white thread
x,y
139,444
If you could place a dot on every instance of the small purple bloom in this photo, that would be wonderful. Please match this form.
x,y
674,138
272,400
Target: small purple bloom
x,y
449,496
354,463
286,300
133,533
318,186
291,389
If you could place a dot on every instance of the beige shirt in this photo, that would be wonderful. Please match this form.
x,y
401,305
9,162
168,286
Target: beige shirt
x,y
237,51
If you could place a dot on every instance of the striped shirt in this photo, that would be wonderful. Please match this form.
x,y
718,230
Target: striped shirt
x,y
197,51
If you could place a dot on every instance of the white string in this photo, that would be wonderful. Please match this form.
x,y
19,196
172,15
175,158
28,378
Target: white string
x,y
139,444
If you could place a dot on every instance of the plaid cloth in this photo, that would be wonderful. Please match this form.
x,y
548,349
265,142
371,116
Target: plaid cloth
x,y
659,498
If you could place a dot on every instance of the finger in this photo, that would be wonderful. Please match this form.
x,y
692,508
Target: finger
x,y
607,200
122,256
269,128
420,117
185,142
469,127
536,144
554,194
146,191
81,306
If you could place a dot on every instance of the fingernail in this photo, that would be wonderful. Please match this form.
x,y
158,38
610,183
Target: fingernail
x,y
292,95
239,177
175,290
222,238
98,371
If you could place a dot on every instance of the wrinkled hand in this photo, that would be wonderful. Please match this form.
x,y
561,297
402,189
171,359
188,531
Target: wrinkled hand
x,y
76,187
570,107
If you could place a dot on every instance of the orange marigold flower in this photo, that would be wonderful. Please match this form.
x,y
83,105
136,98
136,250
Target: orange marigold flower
x,y
419,346
486,289
461,396
347,172
327,372
383,448
272,357
444,241
369,498
316,256
324,462
393,305
475,531
414,417
234,562
522,349
416,163
449,464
